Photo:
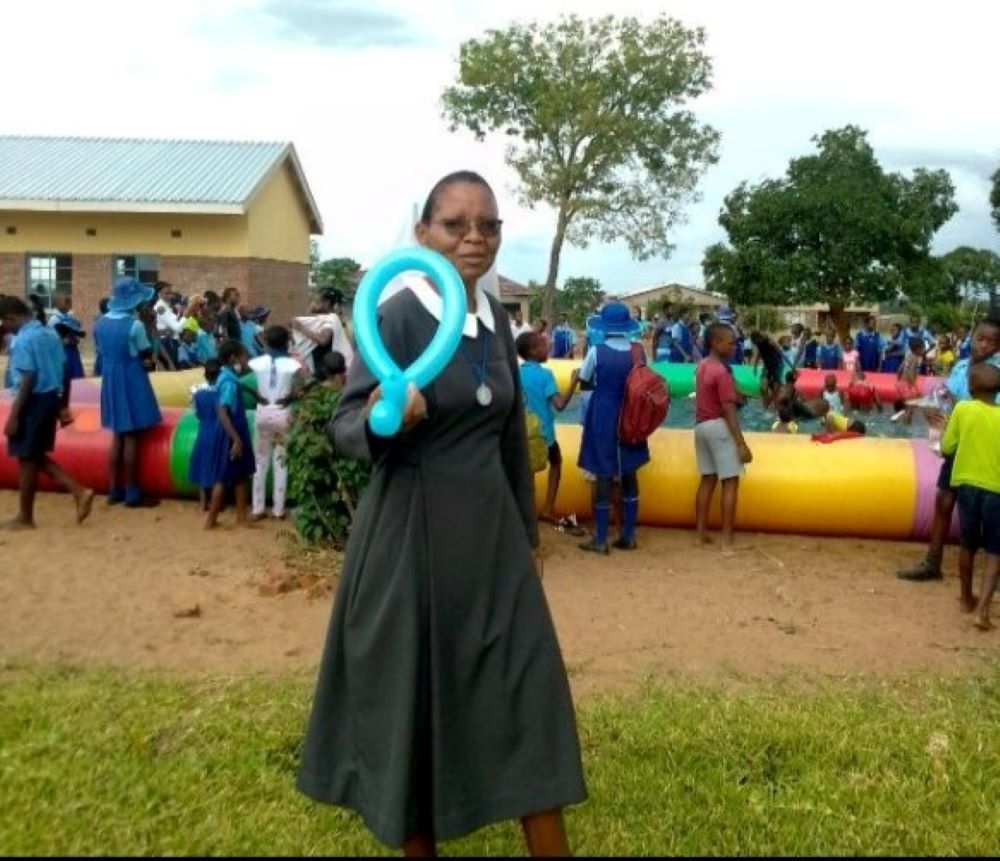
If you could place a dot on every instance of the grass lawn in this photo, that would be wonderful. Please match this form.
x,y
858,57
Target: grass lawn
x,y
114,763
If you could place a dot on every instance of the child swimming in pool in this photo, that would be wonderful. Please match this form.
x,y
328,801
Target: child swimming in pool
x,y
786,421
861,394
831,394
906,385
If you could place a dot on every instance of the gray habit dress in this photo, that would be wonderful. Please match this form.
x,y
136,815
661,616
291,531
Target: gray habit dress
x,y
442,703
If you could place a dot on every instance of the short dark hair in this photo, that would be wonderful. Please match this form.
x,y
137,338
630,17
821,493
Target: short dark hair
x,y
229,292
984,377
230,350
104,305
715,330
993,322
857,427
13,306
525,343
785,413
210,296
277,338
334,363
213,367
459,176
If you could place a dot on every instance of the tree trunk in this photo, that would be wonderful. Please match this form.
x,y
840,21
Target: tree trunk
x,y
840,321
549,293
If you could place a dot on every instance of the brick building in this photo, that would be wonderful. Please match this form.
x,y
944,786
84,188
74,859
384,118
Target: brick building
x,y
203,215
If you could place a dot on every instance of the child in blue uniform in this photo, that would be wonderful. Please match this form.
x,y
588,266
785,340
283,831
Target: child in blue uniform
x,y
894,351
38,368
69,329
601,453
205,402
543,399
128,405
870,344
831,354
232,454
102,309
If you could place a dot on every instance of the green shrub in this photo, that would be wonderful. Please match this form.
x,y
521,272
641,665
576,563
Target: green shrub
x,y
326,488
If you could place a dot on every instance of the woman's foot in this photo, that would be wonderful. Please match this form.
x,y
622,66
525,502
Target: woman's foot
x,y
625,544
261,516
84,505
593,547
968,603
704,541
983,623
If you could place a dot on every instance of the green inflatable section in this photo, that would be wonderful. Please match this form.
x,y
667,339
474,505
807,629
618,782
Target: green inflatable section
x,y
680,378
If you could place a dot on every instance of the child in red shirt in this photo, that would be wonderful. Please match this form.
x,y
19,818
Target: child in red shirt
x,y
719,444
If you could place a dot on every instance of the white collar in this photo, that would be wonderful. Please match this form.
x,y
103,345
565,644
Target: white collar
x,y
431,300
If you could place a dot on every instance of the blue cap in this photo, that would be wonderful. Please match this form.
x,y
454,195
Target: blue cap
x,y
128,294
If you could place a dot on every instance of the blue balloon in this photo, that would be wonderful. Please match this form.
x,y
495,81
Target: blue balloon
x,y
386,416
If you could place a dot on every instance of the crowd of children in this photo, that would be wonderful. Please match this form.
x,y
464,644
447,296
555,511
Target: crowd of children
x,y
143,329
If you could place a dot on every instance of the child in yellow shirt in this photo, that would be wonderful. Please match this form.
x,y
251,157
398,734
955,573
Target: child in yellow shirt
x,y
972,437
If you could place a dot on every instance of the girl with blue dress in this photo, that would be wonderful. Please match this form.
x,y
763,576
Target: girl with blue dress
x,y
895,350
205,402
232,460
128,405
608,366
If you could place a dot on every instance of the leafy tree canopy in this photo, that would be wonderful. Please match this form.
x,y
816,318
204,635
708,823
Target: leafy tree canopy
x,y
836,229
995,199
974,272
596,114
578,299
338,275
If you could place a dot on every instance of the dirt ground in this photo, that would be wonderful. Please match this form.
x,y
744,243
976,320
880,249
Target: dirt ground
x,y
150,589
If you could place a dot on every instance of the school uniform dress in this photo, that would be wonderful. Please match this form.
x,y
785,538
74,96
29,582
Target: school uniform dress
x,y
225,470
869,346
39,351
74,362
275,376
830,356
601,452
128,404
442,703
895,349
201,468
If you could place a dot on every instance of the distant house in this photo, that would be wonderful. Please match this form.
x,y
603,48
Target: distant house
x,y
675,294
817,317
514,297
202,215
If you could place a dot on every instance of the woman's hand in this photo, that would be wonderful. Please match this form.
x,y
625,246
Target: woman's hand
x,y
236,450
415,410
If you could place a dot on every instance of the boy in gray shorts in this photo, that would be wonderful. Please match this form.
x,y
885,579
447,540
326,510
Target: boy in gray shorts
x,y
719,444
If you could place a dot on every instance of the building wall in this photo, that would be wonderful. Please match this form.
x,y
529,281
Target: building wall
x,y
124,233
279,284
277,222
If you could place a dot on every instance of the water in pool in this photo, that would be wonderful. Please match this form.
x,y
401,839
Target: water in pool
x,y
754,418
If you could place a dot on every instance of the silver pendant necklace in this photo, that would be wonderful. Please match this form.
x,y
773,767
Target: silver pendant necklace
x,y
484,394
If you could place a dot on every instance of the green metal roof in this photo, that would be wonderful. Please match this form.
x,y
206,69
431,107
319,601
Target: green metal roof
x,y
141,175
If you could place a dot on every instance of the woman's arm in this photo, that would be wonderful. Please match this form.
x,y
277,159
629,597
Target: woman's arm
x,y
514,438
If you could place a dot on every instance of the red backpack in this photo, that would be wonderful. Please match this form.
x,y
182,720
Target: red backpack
x,y
646,401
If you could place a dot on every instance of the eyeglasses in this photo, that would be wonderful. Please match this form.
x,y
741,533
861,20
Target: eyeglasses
x,y
459,227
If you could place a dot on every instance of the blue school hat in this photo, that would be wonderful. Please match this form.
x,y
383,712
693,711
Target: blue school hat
x,y
258,313
615,319
726,315
128,294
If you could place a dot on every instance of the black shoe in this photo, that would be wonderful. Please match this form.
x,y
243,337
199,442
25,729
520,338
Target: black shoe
x,y
625,544
115,500
143,502
594,547
926,570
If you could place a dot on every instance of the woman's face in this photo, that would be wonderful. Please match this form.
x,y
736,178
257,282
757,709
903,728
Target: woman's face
x,y
464,228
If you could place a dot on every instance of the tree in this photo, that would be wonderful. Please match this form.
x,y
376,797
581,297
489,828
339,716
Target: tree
x,y
595,111
578,299
975,273
836,228
995,199
338,275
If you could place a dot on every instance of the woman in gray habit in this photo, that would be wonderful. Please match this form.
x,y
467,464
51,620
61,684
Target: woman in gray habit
x,y
442,703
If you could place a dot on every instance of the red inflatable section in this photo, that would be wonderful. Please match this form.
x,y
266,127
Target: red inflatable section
x,y
810,383
82,450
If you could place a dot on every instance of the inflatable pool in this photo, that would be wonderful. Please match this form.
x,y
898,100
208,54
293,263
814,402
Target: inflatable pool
x,y
877,488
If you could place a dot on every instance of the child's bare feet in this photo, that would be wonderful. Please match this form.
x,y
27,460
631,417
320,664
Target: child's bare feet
x,y
704,541
730,550
17,525
968,603
983,623
84,505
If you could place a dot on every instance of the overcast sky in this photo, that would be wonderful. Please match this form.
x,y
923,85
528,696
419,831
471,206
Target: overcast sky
x,y
356,85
